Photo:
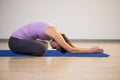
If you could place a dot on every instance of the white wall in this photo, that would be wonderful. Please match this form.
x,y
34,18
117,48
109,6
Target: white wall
x,y
78,19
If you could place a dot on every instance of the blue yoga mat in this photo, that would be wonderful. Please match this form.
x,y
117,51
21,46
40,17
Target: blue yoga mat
x,y
53,53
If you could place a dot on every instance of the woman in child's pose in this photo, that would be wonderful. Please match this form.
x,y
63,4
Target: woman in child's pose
x,y
24,40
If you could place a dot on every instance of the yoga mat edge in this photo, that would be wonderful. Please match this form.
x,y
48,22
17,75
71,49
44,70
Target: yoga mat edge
x,y
53,53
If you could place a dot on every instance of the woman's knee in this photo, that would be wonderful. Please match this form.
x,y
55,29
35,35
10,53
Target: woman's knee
x,y
41,51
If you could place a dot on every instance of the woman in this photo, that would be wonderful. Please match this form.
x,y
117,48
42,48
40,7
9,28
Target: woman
x,y
25,40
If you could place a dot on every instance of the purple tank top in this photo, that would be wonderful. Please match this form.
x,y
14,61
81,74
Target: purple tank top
x,y
32,31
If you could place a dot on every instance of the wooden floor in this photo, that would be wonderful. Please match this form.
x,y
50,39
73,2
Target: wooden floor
x,y
63,68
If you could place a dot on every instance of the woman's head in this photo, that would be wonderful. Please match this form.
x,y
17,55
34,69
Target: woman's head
x,y
56,46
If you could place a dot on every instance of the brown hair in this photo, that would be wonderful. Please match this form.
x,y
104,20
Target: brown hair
x,y
67,41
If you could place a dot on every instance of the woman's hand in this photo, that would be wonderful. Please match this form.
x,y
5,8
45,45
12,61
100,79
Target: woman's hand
x,y
96,49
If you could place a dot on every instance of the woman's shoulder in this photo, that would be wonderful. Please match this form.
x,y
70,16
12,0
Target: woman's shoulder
x,y
51,31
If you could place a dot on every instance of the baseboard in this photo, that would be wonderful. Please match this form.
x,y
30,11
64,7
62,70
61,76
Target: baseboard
x,y
95,40
3,40
82,40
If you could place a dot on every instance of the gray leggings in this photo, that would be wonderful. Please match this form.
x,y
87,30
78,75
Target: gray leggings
x,y
31,47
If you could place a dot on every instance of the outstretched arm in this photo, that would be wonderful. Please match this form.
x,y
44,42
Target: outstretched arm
x,y
55,34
